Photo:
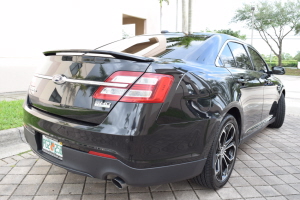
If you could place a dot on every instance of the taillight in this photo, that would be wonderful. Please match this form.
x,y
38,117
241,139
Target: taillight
x,y
150,87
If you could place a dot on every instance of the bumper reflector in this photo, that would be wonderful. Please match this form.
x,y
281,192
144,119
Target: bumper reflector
x,y
101,154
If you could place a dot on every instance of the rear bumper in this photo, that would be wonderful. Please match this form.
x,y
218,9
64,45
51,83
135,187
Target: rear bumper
x,y
93,166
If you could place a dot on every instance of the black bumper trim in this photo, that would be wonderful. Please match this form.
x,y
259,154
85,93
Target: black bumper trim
x,y
98,167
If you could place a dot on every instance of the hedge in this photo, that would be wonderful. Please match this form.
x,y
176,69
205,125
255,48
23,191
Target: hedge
x,y
285,63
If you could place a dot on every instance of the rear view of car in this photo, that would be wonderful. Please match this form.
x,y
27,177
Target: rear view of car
x,y
152,109
94,112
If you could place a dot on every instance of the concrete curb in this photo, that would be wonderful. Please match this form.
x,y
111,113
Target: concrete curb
x,y
12,96
10,135
11,142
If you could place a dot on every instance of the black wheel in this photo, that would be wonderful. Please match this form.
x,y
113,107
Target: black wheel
x,y
221,158
280,113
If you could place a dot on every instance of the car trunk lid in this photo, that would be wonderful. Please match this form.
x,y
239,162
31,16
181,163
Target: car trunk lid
x,y
65,85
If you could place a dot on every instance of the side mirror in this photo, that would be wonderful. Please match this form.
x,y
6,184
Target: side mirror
x,y
278,70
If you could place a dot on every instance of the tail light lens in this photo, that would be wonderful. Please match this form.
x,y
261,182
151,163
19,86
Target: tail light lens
x,y
150,88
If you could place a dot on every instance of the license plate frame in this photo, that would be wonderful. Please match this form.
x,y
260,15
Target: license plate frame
x,y
52,147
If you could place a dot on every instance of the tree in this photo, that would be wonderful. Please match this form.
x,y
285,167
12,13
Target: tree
x,y
232,33
273,21
297,29
160,3
297,56
287,56
190,16
236,34
183,17
263,56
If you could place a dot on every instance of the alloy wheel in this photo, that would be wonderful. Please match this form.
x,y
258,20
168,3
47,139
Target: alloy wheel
x,y
226,152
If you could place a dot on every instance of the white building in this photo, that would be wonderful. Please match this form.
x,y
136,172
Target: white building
x,y
27,28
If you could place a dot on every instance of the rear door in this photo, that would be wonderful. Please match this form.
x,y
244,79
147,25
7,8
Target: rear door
x,y
247,81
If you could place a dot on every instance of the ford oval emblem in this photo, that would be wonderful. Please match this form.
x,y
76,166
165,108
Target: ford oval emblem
x,y
59,79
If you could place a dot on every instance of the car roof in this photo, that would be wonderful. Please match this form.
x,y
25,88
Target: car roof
x,y
204,49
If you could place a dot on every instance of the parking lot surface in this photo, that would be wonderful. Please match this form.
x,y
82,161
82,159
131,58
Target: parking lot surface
x,y
267,167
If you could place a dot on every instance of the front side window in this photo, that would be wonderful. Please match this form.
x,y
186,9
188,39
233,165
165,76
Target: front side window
x,y
227,58
241,57
258,62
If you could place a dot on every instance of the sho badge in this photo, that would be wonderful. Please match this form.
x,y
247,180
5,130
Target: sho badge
x,y
102,104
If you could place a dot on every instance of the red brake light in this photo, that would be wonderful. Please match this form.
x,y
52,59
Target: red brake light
x,y
149,88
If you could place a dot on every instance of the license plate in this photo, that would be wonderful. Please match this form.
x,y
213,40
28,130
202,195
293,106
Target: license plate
x,y
52,147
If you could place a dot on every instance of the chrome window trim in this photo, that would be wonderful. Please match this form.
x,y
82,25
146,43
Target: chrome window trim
x,y
221,50
122,85
42,76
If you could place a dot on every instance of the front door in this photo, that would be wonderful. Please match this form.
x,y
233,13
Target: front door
x,y
271,94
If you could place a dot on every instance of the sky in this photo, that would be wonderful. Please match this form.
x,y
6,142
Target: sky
x,y
217,14
32,26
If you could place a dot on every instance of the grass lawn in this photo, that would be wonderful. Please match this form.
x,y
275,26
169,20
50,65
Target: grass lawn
x,y
11,114
294,72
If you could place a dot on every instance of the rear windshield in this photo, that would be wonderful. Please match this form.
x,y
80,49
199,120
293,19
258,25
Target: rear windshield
x,y
162,46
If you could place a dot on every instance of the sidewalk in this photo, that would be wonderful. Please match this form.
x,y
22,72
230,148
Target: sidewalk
x,y
267,168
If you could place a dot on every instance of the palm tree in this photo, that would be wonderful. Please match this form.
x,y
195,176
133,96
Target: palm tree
x,y
190,16
183,17
160,2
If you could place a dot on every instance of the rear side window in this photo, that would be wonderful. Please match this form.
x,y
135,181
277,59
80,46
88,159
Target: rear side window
x,y
241,57
258,62
227,58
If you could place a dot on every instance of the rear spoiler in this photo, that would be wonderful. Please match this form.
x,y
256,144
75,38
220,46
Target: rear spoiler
x,y
119,55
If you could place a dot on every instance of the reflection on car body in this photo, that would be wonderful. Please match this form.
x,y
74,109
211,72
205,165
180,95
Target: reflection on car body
x,y
143,109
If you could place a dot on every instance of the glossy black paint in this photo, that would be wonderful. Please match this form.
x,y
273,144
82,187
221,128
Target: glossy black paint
x,y
84,164
144,135
73,100
278,70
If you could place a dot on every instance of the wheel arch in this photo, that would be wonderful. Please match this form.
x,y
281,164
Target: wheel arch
x,y
235,112
283,92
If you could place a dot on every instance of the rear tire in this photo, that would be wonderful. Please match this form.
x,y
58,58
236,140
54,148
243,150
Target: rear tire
x,y
222,155
280,113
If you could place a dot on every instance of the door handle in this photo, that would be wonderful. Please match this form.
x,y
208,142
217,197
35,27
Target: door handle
x,y
241,80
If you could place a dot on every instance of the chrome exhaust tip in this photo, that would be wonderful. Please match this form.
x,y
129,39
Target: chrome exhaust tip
x,y
119,183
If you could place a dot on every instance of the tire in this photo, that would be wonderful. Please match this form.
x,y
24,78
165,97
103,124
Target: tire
x,y
215,173
280,113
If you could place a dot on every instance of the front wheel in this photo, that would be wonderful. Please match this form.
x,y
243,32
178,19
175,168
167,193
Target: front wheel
x,y
222,156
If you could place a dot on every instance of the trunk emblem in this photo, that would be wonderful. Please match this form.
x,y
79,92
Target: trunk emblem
x,y
59,79
102,104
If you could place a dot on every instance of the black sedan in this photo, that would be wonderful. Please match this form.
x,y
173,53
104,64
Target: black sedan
x,y
152,109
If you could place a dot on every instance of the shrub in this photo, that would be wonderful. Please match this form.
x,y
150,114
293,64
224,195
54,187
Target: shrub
x,y
285,63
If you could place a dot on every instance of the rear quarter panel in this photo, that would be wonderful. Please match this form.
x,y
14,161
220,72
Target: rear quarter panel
x,y
203,96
